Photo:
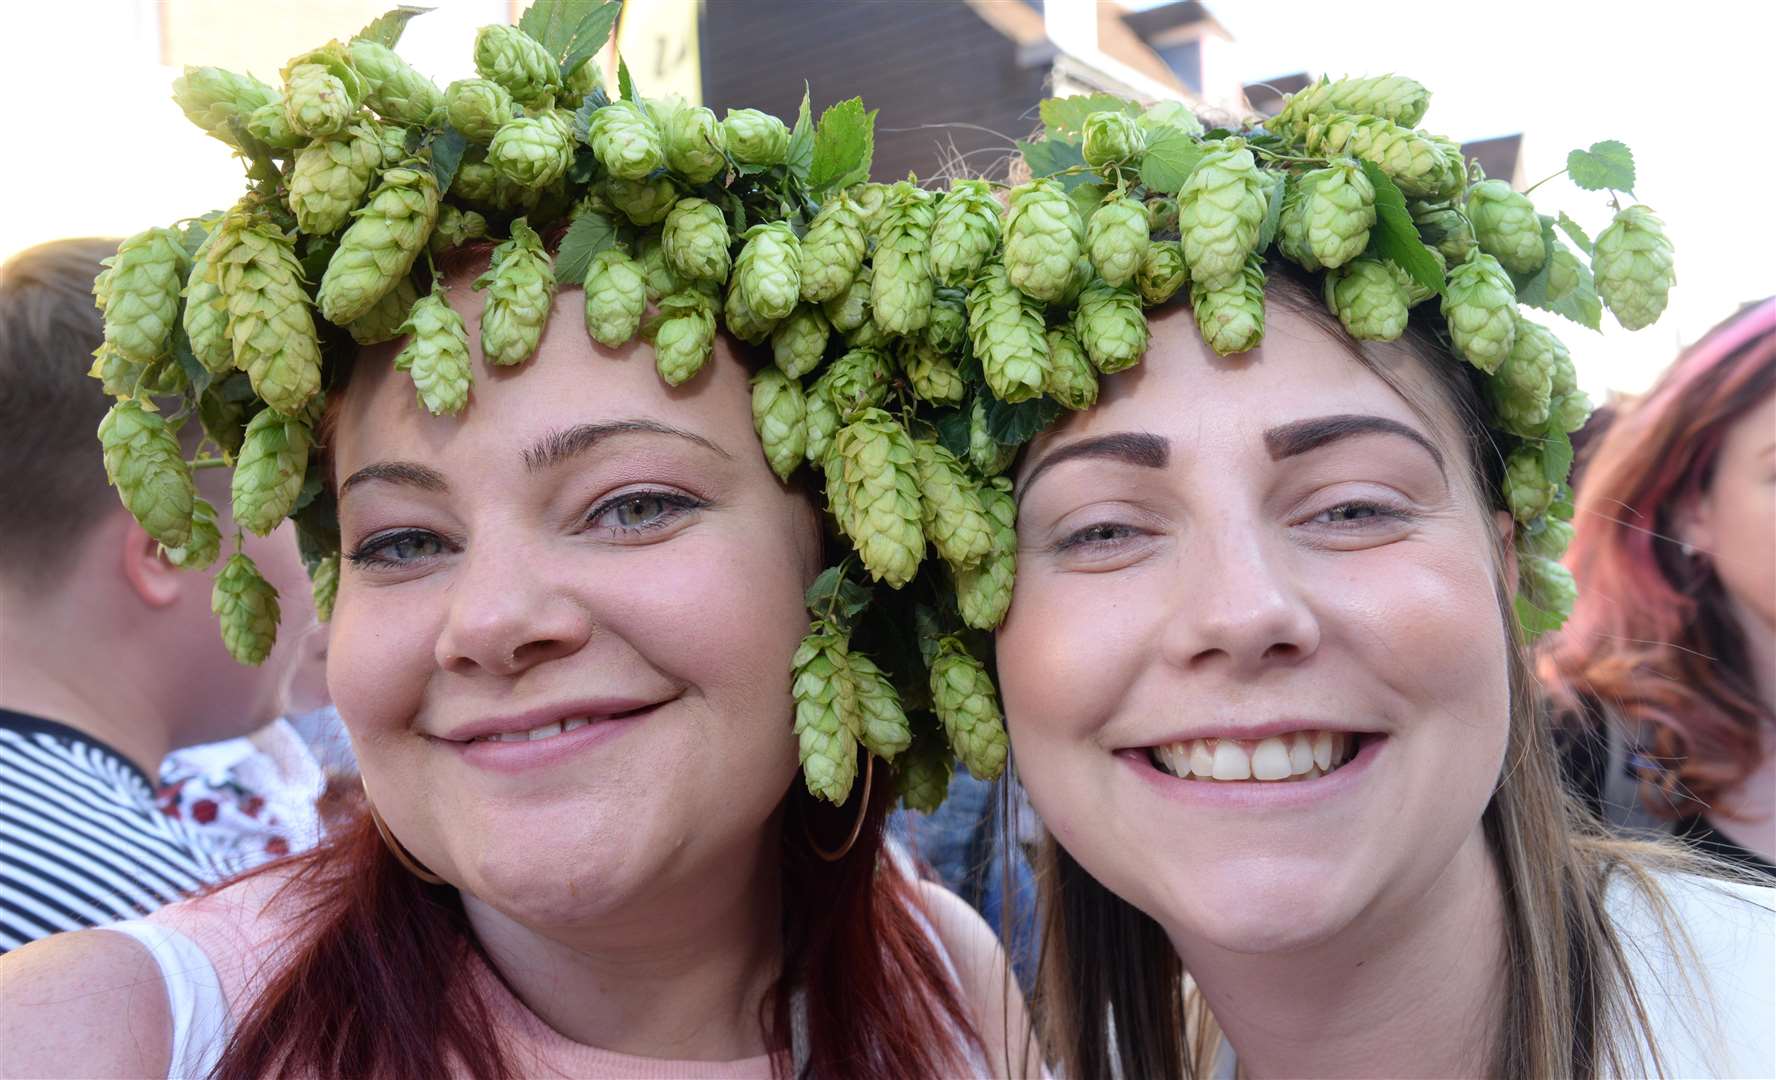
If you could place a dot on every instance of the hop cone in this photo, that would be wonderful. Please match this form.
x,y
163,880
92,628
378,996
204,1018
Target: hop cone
x,y
983,593
1111,138
268,474
769,270
1368,299
755,138
962,694
823,426
143,463
871,336
1454,176
1163,117
270,124
826,713
964,232
584,79
383,321
616,297
922,773
988,456
437,355
141,302
1291,238
955,522
850,309
1446,230
1527,490
270,324
832,250
247,607
1232,320
1506,226
870,199
695,241
211,97
932,374
1162,214
1162,272
1480,305
379,247
118,375
1339,211
743,322
204,544
779,414
1547,586
518,62
397,92
882,725
477,108
520,286
1390,97
324,581
322,91
856,381
1412,161
799,342
1416,292
625,141
1043,239
650,255
1569,407
1006,326
531,151
1071,380
331,176
1632,261
901,290
948,328
1219,214
455,228
878,468
1111,326
683,334
1523,387
1549,542
695,144
206,316
1116,239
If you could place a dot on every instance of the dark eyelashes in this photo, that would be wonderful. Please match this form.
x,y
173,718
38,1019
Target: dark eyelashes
x,y
1360,514
370,552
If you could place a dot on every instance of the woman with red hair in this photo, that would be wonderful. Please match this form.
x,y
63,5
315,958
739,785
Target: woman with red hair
x,y
1666,673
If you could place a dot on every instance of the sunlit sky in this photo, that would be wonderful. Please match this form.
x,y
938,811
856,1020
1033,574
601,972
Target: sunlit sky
x,y
96,146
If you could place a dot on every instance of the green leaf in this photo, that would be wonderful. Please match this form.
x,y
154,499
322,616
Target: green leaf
x,y
1066,116
1049,156
1534,620
590,233
387,29
1394,236
1574,233
801,140
447,155
1608,165
572,30
1014,425
317,525
844,146
952,431
1273,208
625,84
195,373
1580,303
1169,161
1088,197
836,595
1557,457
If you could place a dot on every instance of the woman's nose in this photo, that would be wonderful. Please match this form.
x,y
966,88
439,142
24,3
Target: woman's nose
x,y
508,612
1238,604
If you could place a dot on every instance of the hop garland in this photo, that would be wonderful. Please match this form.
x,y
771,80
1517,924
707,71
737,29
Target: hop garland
x,y
910,340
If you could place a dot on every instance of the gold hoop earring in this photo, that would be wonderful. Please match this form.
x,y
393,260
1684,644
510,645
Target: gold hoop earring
x,y
869,772
401,854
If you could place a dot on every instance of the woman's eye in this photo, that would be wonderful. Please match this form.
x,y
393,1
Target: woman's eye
x,y
396,549
1103,533
1355,513
642,510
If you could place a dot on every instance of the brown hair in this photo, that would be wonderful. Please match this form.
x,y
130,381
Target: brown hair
x,y
53,484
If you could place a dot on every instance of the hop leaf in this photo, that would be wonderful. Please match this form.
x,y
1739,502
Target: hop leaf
x,y
779,414
437,355
268,475
902,287
616,298
1044,238
964,232
143,463
520,286
380,246
1607,165
247,608
962,694
1633,268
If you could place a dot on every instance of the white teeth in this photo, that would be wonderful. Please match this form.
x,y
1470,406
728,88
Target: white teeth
x,y
1270,760
1301,752
1323,749
1202,758
575,724
1300,755
546,731
1231,761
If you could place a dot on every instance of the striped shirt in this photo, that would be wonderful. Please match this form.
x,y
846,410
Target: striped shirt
x,y
81,841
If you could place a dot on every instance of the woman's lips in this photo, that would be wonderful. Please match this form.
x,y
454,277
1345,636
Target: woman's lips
x,y
547,743
1311,785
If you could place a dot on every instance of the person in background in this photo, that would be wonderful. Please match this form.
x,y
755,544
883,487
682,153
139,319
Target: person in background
x,y
1665,678
109,655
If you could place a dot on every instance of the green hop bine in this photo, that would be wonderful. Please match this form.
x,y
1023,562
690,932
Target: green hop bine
x,y
1006,326
643,202
955,522
324,583
518,62
520,286
1111,138
142,461
826,713
964,232
215,99
902,288
437,355
247,607
1162,273
1231,320
1528,491
682,334
626,141
879,470
1111,326
141,298
798,343
616,297
270,325
1632,262
477,108
769,270
755,138
1369,299
331,176
1339,209
932,373
1480,305
1522,390
268,475
397,91
1506,226
882,725
962,694
1116,240
695,241
832,250
534,152
779,415
983,593
205,543
696,145
322,91
1219,213
383,321
1071,380
1390,97
1044,239
1414,162
380,246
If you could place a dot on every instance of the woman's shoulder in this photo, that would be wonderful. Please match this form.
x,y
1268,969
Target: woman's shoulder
x,y
121,1027
983,978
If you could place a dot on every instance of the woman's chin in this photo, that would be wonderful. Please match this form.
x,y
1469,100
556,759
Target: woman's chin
x,y
1256,910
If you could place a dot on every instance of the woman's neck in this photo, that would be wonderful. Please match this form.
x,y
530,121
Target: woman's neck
x,y
1413,990
679,975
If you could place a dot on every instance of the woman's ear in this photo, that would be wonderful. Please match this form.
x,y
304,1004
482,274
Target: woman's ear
x,y
1506,525
157,582
1693,526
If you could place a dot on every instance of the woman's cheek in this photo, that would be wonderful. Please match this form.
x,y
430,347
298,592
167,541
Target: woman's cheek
x,y
377,667
1054,667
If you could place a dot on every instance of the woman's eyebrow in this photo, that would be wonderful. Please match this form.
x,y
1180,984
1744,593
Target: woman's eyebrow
x,y
407,473
1134,447
1288,440
558,446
